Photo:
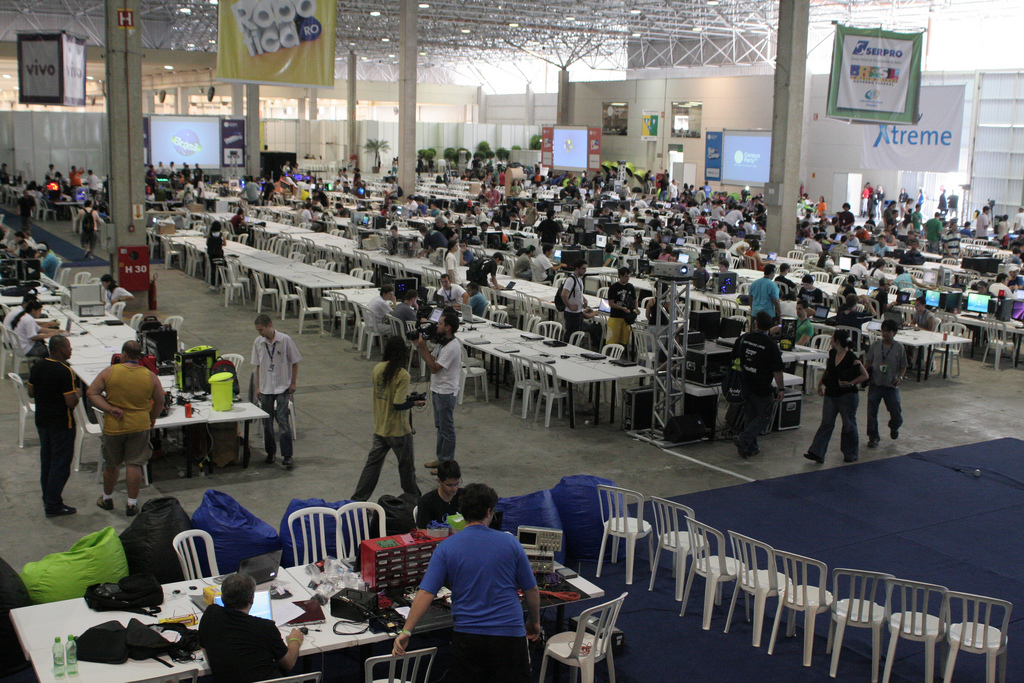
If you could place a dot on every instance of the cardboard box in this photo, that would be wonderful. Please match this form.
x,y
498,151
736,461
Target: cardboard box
x,y
165,227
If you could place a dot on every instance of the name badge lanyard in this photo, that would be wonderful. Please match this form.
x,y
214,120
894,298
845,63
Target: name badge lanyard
x,y
271,349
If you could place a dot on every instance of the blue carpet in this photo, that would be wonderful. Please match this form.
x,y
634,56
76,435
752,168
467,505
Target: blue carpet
x,y
924,516
69,252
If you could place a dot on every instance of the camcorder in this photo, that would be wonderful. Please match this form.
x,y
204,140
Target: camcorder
x,y
426,329
417,396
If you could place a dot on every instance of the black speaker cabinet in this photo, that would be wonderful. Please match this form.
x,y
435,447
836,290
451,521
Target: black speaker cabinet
x,y
684,428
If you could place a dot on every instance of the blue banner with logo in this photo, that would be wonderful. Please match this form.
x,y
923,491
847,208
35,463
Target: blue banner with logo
x,y
232,142
876,75
712,157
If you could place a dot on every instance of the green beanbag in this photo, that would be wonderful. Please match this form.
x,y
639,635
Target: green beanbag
x,y
96,558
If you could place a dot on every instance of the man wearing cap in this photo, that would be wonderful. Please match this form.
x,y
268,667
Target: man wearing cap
x,y
50,262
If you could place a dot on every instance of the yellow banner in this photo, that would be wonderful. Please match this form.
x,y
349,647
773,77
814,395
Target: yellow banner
x,y
277,41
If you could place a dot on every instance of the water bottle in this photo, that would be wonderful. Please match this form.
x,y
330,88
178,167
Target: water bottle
x,y
58,658
71,656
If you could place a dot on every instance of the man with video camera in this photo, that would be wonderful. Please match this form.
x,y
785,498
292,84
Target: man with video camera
x,y
444,360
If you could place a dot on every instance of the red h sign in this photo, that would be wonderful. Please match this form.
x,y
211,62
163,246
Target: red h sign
x,y
126,18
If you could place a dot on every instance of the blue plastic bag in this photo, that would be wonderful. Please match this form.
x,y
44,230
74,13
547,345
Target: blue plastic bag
x,y
533,509
580,510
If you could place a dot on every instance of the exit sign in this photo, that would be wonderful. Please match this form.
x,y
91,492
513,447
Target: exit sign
x,y
126,18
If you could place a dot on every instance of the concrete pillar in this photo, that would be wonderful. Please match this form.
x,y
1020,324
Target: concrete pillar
x,y
406,98
252,129
481,104
531,105
350,106
237,100
787,125
148,102
311,106
181,102
126,171
564,99
311,114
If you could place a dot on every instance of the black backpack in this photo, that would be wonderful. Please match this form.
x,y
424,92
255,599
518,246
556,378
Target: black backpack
x,y
475,271
559,303
145,641
88,222
140,593
150,322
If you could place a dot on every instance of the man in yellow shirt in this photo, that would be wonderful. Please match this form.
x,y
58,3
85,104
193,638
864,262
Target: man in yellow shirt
x,y
131,397
392,426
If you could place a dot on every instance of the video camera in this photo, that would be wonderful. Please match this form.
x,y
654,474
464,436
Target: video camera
x,y
417,396
426,329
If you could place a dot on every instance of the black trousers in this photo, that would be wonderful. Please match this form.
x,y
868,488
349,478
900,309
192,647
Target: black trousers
x,y
489,659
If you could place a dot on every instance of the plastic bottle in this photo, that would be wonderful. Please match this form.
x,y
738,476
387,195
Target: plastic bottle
x,y
58,658
71,656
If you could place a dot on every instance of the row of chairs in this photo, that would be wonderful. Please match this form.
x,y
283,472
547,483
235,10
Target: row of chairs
x,y
912,610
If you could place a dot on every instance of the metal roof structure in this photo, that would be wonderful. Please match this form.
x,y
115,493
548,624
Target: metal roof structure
x,y
612,34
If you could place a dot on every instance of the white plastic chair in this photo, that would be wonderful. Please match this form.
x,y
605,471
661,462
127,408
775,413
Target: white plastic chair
x,y
855,592
707,545
286,296
231,284
804,591
579,338
175,322
12,348
136,321
525,382
355,519
262,292
998,339
971,626
25,406
236,359
613,351
551,329
306,311
550,393
590,643
412,667
478,373
314,525
670,530
188,554
117,310
299,678
83,428
914,611
756,575
620,523
82,277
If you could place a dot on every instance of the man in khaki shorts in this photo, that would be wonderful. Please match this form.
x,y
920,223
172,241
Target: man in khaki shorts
x,y
131,397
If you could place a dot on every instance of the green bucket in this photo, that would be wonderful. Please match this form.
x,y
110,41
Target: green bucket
x,y
222,390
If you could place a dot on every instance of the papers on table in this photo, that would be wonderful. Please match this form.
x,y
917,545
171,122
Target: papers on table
x,y
286,611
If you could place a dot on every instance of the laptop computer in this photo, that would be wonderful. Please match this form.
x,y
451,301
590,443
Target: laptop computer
x,y
467,314
262,568
820,312
312,614
260,604
875,326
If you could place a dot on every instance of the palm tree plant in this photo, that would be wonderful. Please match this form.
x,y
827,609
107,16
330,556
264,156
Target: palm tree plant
x,y
376,147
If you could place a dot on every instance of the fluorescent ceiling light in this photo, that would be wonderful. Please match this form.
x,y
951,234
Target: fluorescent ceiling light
x,y
513,25
185,10
385,40
168,67
423,5
634,11
636,35
465,30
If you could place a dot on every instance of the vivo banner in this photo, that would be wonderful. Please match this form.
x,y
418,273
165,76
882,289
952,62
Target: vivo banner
x,y
876,75
51,69
931,145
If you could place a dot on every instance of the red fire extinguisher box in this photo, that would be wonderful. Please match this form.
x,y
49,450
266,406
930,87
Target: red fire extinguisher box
x,y
133,268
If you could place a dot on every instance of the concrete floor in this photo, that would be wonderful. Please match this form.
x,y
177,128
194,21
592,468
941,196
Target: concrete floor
x,y
514,456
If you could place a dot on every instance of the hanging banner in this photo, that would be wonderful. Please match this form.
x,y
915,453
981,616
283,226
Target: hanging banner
x,y
649,125
876,75
287,42
593,149
712,156
232,143
931,145
547,146
51,69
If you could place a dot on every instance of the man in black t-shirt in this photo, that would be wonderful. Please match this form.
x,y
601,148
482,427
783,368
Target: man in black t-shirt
x,y
622,301
52,384
761,362
435,505
782,279
809,294
242,648
549,229
26,208
844,219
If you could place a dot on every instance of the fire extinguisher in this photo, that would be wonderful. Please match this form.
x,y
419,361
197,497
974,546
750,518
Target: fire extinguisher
x,y
152,293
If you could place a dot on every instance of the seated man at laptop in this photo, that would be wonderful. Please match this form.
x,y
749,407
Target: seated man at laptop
x,y
435,505
477,300
242,648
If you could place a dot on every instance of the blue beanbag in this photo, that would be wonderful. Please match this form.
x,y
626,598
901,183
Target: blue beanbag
x,y
580,510
288,554
237,533
533,509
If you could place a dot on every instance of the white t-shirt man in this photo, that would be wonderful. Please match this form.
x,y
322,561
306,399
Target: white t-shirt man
x,y
981,226
999,289
539,267
449,357
26,329
733,217
452,296
110,297
811,246
380,310
94,182
574,287
1018,221
452,261
275,359
859,271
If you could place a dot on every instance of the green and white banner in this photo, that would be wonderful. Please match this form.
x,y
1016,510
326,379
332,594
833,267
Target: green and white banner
x,y
876,75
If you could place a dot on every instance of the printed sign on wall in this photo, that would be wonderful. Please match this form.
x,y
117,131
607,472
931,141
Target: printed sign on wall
x,y
232,142
876,75
931,145
277,42
713,156
649,125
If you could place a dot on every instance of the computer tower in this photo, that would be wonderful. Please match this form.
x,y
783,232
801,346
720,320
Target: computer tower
x,y
637,408
707,322
787,411
193,369
595,257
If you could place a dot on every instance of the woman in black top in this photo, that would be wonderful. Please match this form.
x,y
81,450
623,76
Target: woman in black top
x,y
843,373
215,251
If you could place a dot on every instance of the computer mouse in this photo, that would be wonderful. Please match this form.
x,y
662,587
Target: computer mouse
x,y
303,630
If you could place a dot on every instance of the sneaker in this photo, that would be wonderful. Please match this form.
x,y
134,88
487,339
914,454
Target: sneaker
x,y
853,459
131,510
742,453
816,458
432,464
894,434
270,459
105,504
288,463
873,443
62,511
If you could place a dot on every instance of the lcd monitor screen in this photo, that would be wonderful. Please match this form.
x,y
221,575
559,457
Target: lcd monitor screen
x,y
746,157
601,241
845,263
953,300
977,303
569,149
931,298
930,277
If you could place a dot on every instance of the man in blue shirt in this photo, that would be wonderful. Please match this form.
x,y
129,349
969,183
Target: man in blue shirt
x,y
484,568
49,263
764,294
477,301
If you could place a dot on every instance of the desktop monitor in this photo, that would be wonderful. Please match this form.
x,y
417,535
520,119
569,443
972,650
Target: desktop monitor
x,y
902,297
1019,295
586,239
404,284
953,301
595,258
726,282
493,240
81,194
845,263
977,302
380,223
1018,310
683,258
29,269
931,298
557,255
570,256
601,241
515,225
930,277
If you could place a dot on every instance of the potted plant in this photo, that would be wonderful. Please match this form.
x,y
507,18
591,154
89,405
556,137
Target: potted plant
x,y
502,154
376,147
534,142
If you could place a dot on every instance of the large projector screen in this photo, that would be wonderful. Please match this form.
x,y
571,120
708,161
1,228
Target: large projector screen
x,y
569,149
746,157
185,140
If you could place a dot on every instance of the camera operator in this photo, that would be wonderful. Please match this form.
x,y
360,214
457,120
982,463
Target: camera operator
x,y
444,360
